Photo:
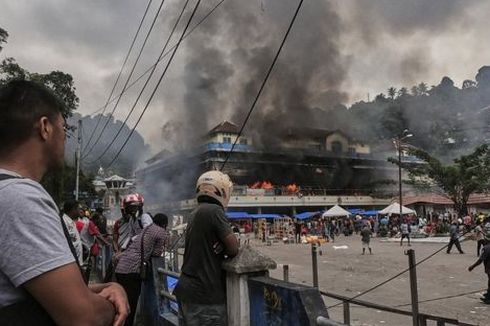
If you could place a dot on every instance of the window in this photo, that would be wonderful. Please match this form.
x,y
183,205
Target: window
x,y
352,150
337,147
227,140
243,141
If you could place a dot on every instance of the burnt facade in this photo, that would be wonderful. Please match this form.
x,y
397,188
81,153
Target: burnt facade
x,y
328,164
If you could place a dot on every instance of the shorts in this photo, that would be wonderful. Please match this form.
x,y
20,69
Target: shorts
x,y
365,244
405,235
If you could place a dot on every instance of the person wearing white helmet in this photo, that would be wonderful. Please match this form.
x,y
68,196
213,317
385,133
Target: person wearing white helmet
x,y
209,240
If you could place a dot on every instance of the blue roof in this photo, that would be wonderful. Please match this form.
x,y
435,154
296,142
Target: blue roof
x,y
265,216
237,215
306,215
355,211
370,213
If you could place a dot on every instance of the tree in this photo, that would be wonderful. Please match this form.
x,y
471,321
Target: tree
x,y
414,91
423,89
392,93
483,76
468,83
60,83
467,175
3,37
402,92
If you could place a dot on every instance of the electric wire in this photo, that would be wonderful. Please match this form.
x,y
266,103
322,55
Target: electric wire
x,y
128,78
209,13
103,108
441,298
145,85
402,272
158,83
263,83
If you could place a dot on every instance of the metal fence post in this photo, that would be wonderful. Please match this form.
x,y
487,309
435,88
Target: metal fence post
x,y
314,264
285,270
413,286
346,312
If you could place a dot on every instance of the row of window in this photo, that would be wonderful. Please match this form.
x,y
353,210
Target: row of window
x,y
227,140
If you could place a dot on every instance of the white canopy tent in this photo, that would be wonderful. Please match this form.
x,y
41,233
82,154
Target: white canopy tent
x,y
336,211
395,209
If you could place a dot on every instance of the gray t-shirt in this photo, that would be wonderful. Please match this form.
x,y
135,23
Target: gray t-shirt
x,y
32,241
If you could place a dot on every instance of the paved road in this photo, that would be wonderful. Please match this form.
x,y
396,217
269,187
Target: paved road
x,y
347,272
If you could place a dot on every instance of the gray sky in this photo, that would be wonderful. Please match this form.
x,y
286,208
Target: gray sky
x,y
365,46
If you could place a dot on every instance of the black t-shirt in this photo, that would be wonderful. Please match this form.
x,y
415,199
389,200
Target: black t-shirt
x,y
202,281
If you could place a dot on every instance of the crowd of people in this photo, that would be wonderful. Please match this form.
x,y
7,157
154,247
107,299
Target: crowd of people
x,y
46,256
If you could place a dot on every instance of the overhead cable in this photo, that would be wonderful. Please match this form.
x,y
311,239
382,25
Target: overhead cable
x,y
108,119
103,108
158,83
263,83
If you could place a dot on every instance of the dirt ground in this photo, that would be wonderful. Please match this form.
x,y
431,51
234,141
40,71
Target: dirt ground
x,y
347,272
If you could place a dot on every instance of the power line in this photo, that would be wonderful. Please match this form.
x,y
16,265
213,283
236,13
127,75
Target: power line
x,y
209,13
441,298
128,78
146,83
402,272
158,83
119,74
263,83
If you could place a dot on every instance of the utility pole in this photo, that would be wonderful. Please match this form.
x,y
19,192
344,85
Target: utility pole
x,y
413,286
398,144
77,158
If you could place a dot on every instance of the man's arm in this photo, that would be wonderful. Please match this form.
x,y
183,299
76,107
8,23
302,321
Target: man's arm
x,y
231,245
64,295
478,262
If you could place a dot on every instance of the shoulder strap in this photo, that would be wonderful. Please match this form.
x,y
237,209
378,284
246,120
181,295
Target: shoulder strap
x,y
4,176
142,251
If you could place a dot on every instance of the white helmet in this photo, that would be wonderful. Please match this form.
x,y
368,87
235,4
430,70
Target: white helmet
x,y
215,184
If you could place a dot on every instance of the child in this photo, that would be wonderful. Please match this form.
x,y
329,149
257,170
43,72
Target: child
x,y
366,238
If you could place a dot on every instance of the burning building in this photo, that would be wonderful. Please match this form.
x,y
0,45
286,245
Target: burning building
x,y
328,165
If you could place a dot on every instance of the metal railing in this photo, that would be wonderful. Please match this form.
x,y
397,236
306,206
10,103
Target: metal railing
x,y
423,318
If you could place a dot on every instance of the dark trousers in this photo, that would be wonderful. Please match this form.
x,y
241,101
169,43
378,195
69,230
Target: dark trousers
x,y
456,243
479,244
487,295
132,285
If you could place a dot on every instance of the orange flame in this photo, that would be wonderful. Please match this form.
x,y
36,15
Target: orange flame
x,y
262,185
292,188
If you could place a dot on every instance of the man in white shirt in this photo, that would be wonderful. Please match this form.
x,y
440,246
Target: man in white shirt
x,y
70,214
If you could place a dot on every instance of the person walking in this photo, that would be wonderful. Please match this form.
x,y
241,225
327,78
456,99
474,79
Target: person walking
x,y
485,259
201,290
40,282
366,234
405,231
454,237
149,243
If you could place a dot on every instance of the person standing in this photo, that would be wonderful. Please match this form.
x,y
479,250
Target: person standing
x,y
201,290
405,231
366,234
485,259
40,282
149,243
70,215
480,237
454,237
